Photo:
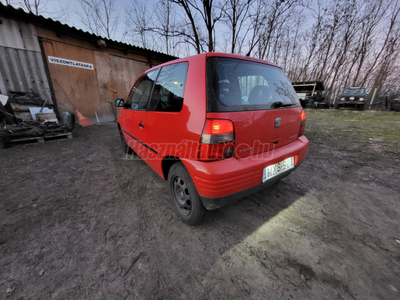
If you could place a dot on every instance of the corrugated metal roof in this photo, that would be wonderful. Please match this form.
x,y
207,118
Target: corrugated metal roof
x,y
21,63
23,71
10,12
18,35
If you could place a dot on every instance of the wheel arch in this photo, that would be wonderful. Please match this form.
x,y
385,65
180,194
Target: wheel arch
x,y
167,163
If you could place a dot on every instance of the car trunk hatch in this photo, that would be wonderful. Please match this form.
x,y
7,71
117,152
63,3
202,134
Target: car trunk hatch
x,y
262,130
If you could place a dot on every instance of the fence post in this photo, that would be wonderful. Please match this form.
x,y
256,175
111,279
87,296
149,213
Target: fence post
x,y
372,100
334,97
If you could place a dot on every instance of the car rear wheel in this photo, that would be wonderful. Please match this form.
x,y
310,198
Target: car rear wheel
x,y
185,198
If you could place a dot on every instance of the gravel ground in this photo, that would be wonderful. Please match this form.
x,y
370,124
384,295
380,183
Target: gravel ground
x,y
80,220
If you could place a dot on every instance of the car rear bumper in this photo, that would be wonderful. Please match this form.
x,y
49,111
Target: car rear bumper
x,y
214,203
220,183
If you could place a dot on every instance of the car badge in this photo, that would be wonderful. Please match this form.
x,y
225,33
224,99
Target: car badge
x,y
278,122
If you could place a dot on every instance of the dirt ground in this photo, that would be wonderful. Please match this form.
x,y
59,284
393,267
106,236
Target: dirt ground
x,y
80,220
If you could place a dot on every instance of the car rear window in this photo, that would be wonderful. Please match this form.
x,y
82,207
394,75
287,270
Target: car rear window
x,y
240,85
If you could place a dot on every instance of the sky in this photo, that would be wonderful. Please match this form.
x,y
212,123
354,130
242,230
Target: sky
x,y
71,18
72,7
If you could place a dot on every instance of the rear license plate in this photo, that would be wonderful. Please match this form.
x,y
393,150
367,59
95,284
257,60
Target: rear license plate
x,y
278,168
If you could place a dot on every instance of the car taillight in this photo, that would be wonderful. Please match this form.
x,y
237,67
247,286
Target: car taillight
x,y
302,124
217,140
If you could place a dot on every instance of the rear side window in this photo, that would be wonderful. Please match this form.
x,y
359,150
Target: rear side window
x,y
170,88
140,93
240,85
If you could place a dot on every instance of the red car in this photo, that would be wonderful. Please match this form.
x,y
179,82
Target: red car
x,y
216,126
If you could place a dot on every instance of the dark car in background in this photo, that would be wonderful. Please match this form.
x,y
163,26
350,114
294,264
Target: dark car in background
x,y
395,104
354,97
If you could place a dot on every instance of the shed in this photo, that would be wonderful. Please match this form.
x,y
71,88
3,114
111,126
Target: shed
x,y
68,68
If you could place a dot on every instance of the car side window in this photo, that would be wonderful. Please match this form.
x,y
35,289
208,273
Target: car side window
x,y
170,88
140,93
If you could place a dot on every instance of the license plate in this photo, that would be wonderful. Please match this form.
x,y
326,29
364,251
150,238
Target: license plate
x,y
278,168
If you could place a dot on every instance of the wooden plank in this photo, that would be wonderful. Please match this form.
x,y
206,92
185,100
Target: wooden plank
x,y
40,139
58,136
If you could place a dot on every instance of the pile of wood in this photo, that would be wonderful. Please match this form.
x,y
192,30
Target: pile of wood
x,y
15,129
32,131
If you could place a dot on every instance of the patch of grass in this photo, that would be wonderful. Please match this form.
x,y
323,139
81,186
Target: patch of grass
x,y
345,125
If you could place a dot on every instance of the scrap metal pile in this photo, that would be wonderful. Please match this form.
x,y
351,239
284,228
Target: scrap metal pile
x,y
20,122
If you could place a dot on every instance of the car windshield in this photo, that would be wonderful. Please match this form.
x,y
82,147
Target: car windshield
x,y
353,91
240,85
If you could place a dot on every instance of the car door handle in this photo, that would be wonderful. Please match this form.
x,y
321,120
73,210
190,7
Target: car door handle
x,y
141,125
275,142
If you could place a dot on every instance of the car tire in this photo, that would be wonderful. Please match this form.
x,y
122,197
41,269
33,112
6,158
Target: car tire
x,y
361,107
337,106
183,192
124,144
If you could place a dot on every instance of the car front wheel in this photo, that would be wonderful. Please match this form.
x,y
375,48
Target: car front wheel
x,y
185,198
124,144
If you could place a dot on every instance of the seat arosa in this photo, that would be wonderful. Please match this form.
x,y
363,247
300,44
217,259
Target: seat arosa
x,y
217,127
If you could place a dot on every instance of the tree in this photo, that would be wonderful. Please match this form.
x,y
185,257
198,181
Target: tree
x,y
193,36
33,6
236,14
201,14
138,23
99,17
341,42
38,7
390,50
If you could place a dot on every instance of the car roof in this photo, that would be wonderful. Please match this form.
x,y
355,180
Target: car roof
x,y
214,54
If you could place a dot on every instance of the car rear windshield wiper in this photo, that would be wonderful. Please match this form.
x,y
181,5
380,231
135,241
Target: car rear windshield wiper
x,y
280,104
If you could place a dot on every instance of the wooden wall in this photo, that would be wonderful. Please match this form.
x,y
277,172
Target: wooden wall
x,y
90,91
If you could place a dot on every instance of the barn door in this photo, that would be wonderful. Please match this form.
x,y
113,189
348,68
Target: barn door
x,y
74,79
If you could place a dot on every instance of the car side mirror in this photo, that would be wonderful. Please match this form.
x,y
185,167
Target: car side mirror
x,y
119,102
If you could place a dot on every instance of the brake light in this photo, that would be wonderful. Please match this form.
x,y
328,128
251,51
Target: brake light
x,y
303,116
302,124
218,127
217,140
